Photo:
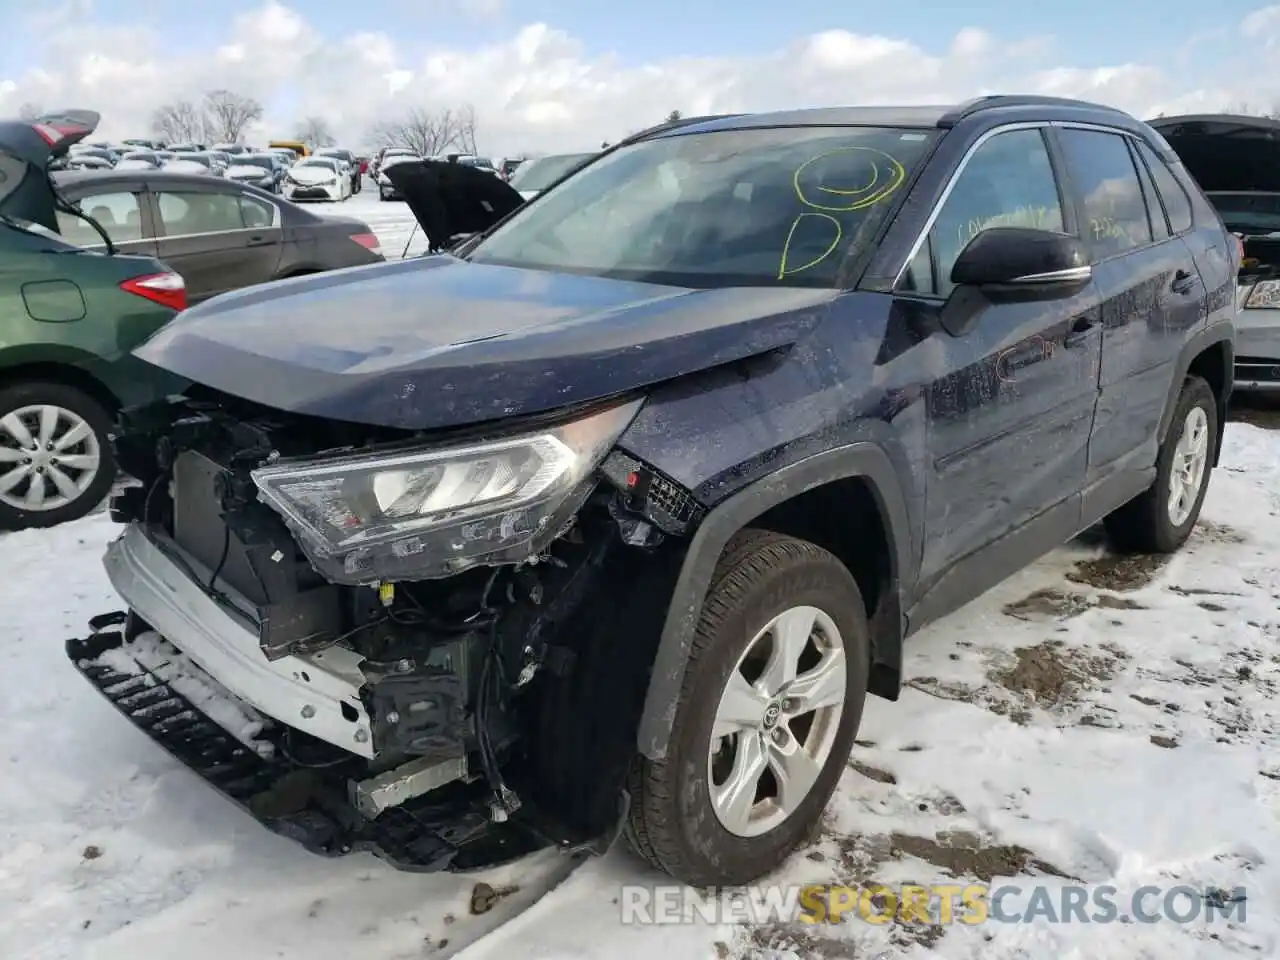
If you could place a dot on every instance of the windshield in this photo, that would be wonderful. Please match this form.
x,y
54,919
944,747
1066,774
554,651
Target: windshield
x,y
1248,212
784,206
254,160
325,163
199,158
541,173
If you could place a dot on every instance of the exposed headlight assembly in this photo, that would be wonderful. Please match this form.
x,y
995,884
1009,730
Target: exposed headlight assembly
x,y
434,512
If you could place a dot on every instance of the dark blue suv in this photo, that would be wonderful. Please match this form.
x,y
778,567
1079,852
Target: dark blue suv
x,y
607,520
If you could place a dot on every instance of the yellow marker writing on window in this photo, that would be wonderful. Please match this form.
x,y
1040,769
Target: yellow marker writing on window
x,y
785,268
886,176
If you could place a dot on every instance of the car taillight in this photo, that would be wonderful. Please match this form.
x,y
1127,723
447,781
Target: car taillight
x,y
369,241
167,289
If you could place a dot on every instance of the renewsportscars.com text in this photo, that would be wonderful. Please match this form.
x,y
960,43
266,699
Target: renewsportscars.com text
x,y
937,904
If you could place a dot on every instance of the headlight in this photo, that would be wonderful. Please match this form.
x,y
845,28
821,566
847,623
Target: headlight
x,y
433,513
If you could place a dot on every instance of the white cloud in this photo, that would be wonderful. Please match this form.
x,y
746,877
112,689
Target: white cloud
x,y
543,89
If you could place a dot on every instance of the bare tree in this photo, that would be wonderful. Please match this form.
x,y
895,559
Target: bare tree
x,y
30,111
429,134
466,123
179,122
1248,110
673,116
227,114
315,132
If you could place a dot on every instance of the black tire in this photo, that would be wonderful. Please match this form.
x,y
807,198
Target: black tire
x,y
99,419
1143,525
671,822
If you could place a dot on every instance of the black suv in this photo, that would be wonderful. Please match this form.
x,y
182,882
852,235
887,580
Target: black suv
x,y
613,515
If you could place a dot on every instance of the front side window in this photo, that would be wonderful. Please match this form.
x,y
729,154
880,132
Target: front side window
x,y
1115,213
184,214
782,206
118,213
1007,182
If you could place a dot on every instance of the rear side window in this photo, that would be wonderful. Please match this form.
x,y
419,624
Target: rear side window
x,y
184,214
1114,212
1176,203
255,213
118,213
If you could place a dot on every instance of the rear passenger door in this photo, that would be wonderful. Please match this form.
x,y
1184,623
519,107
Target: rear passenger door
x,y
121,211
1152,297
218,239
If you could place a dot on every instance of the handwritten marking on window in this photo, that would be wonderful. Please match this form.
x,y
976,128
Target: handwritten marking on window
x,y
886,176
1036,218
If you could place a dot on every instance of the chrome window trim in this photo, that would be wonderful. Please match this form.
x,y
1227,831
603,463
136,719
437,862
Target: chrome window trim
x,y
951,183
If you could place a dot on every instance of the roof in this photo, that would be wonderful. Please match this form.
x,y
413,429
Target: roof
x,y
1235,119
942,116
71,177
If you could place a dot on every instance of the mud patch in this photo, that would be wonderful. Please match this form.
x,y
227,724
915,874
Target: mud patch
x,y
1047,677
1118,572
1048,603
1210,532
1257,409
774,939
959,853
873,773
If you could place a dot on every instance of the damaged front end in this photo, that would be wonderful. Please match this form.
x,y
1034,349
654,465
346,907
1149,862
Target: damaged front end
x,y
440,646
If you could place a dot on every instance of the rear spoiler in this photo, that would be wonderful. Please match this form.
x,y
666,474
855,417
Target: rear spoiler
x,y
48,136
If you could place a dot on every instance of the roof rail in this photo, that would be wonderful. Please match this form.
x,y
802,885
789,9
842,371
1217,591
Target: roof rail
x,y
996,101
673,125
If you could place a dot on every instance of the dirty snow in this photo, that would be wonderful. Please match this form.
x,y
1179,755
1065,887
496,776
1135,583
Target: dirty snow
x,y
1089,721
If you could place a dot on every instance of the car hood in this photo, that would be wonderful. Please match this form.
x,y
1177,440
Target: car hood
x,y
248,171
38,143
1226,153
451,199
440,342
313,174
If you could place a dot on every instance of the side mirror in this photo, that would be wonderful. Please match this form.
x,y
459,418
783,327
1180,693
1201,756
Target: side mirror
x,y
1013,265
1019,259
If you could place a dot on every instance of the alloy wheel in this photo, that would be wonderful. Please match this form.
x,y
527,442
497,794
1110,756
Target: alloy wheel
x,y
49,456
777,721
1187,469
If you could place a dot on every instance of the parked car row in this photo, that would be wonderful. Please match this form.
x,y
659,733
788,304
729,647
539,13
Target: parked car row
x,y
98,259
268,169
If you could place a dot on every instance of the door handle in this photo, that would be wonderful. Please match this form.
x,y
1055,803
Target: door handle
x,y
1079,332
1184,281
259,242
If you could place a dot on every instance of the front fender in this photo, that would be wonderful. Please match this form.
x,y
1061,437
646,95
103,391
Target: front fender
x,y
862,459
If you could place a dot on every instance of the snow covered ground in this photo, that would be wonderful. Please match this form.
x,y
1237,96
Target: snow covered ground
x,y
1091,721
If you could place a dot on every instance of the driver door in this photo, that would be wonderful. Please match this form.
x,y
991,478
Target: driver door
x,y
1009,419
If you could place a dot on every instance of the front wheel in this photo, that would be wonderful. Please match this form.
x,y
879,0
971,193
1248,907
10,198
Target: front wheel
x,y
768,709
55,457
1160,519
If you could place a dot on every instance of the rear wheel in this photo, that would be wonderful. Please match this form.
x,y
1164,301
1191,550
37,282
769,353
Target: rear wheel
x,y
1160,519
770,704
55,457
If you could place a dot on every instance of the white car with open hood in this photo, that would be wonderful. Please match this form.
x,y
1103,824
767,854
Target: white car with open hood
x,y
317,178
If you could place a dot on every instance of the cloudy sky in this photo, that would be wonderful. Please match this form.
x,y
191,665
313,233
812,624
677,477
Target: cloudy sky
x,y
566,74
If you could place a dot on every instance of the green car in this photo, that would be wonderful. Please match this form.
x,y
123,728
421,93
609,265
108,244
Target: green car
x,y
69,318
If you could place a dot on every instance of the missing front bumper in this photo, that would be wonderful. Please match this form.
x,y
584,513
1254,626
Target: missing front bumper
x,y
449,830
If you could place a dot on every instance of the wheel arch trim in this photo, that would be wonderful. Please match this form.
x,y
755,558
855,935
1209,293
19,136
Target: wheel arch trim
x,y
862,460
1219,333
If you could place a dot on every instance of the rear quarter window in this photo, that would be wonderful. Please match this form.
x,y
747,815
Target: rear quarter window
x,y
1176,202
